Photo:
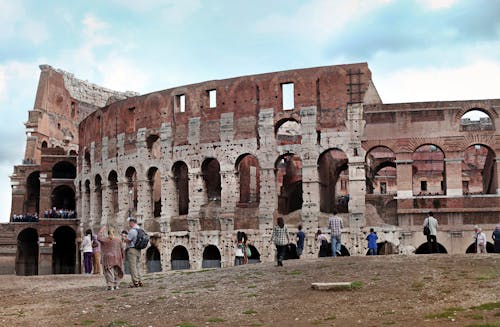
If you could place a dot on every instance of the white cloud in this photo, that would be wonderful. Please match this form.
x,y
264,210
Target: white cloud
x,y
172,11
477,80
15,23
438,4
122,74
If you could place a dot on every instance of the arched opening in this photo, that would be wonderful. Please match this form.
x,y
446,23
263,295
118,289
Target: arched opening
x,y
73,153
381,171
154,146
429,177
181,178
44,144
247,167
479,170
153,259
86,200
327,251
113,186
63,197
211,257
86,159
424,249
131,176
333,181
154,179
179,258
291,252
210,170
288,170
476,120
64,251
288,131
64,170
27,252
472,248
33,193
385,248
255,257
98,196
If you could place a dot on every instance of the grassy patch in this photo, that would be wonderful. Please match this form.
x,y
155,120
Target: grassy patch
x,y
333,317
417,286
162,297
126,295
249,312
447,313
495,324
296,272
98,306
111,298
487,306
316,322
161,287
176,292
497,314
252,295
475,316
119,323
189,292
215,320
87,322
356,285
388,322
252,286
185,324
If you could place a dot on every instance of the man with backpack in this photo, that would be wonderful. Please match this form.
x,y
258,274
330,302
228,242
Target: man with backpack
x,y
136,240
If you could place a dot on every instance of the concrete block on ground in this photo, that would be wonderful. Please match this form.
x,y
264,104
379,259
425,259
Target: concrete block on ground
x,y
338,286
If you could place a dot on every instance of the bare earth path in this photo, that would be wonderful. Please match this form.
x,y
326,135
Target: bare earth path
x,y
424,290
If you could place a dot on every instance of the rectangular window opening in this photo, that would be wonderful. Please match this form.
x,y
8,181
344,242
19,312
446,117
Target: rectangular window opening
x,y
383,188
181,102
287,93
423,185
212,96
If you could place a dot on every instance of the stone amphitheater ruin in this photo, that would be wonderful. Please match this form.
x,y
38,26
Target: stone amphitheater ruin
x,y
197,163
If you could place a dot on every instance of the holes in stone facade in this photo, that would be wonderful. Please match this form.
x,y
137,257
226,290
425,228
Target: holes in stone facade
x,y
44,144
180,171
427,248
332,168
287,96
210,170
154,146
288,170
27,253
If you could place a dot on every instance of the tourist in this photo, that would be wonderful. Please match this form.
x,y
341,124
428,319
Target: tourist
x,y
112,257
87,251
300,241
480,238
496,238
335,225
372,242
323,243
432,224
133,255
280,238
239,255
96,255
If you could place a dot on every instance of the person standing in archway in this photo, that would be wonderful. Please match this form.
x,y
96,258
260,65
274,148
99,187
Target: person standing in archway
x,y
335,225
432,224
87,251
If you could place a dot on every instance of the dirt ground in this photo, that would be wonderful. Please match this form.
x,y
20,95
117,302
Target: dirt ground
x,y
423,290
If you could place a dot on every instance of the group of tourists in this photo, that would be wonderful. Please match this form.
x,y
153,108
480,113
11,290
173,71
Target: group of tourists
x,y
61,213
26,218
110,250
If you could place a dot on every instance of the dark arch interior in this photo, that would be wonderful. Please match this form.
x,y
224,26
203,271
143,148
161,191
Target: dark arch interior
x,y
64,170
27,253
64,251
153,259
490,248
33,193
211,257
180,258
63,197
327,251
255,257
211,175
424,249
385,248
180,171
331,164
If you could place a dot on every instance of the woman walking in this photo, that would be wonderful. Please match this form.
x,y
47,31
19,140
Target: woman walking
x,y
112,257
87,251
280,238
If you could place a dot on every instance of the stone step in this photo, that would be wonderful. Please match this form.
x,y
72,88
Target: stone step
x,y
337,286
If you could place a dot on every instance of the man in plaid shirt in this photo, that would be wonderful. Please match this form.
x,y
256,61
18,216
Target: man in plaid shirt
x,y
335,225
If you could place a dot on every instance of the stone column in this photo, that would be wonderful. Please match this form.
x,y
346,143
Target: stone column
x,y
123,204
144,200
85,214
497,174
404,175
453,169
169,206
230,190
107,209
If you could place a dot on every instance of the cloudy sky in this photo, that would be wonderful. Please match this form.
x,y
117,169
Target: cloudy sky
x,y
418,50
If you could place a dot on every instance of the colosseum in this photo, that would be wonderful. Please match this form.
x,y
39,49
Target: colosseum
x,y
197,163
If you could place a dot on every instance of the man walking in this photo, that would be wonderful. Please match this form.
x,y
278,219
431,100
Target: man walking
x,y
335,225
432,224
132,254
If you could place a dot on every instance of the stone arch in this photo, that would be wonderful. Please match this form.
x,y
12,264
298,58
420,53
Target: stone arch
x,y
153,144
131,176
211,257
64,170
385,248
32,203
380,163
179,258
255,257
288,169
27,252
181,178
64,251
153,259
288,131
332,168
63,197
476,119
248,170
44,144
344,252
210,170
476,106
429,175
113,186
479,171
424,248
154,179
490,248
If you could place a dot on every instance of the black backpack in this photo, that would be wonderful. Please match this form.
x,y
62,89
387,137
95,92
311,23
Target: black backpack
x,y
142,240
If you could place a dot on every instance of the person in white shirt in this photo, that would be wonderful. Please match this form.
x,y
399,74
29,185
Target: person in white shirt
x,y
480,238
432,223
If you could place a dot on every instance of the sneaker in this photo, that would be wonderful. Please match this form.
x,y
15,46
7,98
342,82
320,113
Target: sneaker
x,y
338,253
109,288
116,287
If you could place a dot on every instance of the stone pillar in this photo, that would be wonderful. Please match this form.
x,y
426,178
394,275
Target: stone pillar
x,y
107,205
144,200
453,169
85,214
404,175
124,205
230,190
497,174
169,204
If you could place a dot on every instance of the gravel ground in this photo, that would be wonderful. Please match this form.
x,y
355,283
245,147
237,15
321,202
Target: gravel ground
x,y
423,290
